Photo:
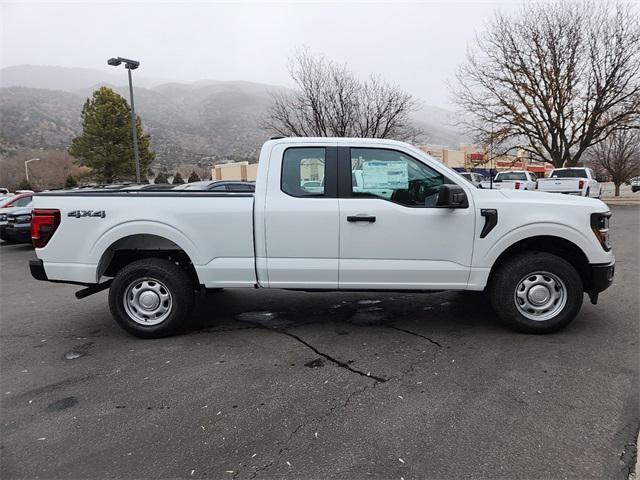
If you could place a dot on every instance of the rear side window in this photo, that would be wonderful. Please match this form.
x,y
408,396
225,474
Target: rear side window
x,y
303,172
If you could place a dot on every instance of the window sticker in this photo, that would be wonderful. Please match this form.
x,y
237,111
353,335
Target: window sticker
x,y
390,175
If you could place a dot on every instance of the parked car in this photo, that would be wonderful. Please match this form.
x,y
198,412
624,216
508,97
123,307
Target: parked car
x,y
410,223
572,181
106,186
635,184
17,228
512,179
20,200
9,204
219,186
151,186
474,178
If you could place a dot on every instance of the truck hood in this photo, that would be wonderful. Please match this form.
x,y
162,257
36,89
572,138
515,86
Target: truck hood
x,y
17,210
545,198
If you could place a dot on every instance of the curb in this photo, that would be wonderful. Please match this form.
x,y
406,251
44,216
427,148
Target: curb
x,y
621,201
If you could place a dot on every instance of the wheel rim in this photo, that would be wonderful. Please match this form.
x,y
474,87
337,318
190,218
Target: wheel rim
x,y
147,301
540,296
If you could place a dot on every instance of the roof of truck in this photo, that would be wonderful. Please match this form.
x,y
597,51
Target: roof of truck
x,y
339,140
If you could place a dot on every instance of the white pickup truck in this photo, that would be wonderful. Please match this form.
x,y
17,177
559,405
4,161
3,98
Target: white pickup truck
x,y
573,181
513,179
385,217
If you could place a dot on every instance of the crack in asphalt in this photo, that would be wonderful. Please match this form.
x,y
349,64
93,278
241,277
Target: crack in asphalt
x,y
324,355
335,361
341,405
318,420
415,334
629,456
376,380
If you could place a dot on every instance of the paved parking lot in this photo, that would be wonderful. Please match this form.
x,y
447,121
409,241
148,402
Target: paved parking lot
x,y
302,385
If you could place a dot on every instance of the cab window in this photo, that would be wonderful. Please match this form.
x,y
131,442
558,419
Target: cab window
x,y
394,176
303,172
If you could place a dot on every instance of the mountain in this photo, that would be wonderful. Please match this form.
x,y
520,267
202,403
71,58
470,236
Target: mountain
x,y
67,79
40,108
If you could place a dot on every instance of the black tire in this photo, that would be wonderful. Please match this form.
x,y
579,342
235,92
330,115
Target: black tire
x,y
170,278
514,272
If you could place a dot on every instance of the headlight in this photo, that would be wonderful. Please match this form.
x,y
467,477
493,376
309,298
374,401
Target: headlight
x,y
23,218
600,227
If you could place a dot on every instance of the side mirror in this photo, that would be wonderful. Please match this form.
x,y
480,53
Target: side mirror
x,y
452,196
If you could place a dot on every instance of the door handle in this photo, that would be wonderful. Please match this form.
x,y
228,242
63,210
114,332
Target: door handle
x,y
361,218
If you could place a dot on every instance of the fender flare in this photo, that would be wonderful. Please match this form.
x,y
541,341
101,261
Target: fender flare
x,y
539,229
145,227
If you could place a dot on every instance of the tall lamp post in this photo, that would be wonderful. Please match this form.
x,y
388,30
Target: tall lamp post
x,y
26,167
130,65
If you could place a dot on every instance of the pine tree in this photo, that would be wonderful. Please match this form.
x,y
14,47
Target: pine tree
x,y
105,144
193,177
70,182
24,185
177,179
161,178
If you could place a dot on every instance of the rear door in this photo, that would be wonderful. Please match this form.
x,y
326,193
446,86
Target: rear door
x,y
391,233
301,216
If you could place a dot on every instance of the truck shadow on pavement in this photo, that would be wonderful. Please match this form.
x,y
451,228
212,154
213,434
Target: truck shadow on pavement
x,y
344,311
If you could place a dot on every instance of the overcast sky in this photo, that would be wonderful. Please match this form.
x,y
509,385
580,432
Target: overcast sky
x,y
414,44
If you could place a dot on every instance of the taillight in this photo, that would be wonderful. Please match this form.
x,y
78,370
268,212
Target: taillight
x,y
517,185
44,222
581,184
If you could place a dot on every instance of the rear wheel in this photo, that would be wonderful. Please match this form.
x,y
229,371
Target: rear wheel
x,y
536,292
151,298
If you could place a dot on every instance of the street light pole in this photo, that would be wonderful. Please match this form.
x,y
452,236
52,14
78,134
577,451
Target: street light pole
x,y
134,129
26,167
130,65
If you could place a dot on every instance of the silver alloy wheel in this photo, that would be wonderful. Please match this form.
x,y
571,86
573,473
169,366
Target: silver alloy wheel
x,y
147,301
540,296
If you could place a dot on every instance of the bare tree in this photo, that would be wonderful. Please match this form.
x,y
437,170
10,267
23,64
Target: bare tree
x,y
619,156
330,101
554,80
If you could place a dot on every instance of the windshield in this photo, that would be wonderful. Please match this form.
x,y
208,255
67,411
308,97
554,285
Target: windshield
x,y
569,173
510,176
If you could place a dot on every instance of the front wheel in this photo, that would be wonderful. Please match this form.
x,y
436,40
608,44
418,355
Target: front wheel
x,y
536,292
151,298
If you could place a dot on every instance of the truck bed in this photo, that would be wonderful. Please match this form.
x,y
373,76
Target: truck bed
x,y
217,234
561,185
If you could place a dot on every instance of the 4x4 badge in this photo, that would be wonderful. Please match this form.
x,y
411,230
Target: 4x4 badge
x,y
87,213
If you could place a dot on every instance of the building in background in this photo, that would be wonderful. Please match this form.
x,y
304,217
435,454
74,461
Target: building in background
x,y
475,158
244,171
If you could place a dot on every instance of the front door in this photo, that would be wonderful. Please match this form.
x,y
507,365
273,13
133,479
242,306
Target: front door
x,y
391,233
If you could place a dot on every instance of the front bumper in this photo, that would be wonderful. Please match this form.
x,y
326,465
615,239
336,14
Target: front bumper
x,y
16,233
601,276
